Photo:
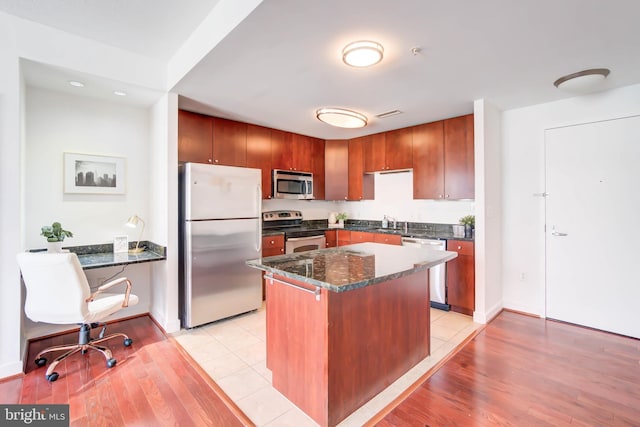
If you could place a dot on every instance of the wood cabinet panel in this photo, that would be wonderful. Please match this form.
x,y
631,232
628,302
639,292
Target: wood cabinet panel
x,y
259,154
360,186
389,239
344,237
362,236
459,157
273,242
280,150
301,149
336,157
428,161
229,142
195,137
374,152
461,277
398,151
331,236
317,168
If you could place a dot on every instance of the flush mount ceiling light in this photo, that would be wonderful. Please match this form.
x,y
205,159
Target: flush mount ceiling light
x,y
362,53
76,83
582,81
119,93
341,118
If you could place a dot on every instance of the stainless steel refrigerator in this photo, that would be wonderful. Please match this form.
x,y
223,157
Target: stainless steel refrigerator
x,y
220,228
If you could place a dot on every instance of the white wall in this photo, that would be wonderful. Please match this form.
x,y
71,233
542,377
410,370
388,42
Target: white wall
x,y
56,123
523,273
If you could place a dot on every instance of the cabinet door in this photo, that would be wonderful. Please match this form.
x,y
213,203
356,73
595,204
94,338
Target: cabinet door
x,y
272,245
398,150
458,158
344,237
229,142
389,239
281,150
428,161
362,236
331,236
461,290
301,152
259,155
336,157
374,152
317,168
355,169
195,136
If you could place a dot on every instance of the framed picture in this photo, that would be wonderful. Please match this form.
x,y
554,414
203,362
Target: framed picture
x,y
86,174
121,244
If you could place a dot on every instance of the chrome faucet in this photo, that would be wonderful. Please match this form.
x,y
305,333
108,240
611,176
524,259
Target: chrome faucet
x,y
390,218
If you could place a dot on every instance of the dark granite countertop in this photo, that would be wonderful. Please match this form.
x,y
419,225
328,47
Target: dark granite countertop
x,y
353,266
101,255
416,230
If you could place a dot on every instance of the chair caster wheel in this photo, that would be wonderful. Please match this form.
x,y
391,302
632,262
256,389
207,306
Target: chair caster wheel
x,y
51,378
111,363
41,361
128,342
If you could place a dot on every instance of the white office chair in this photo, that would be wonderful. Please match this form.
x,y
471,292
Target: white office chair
x,y
58,293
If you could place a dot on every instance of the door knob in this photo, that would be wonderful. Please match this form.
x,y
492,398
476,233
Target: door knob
x,y
555,233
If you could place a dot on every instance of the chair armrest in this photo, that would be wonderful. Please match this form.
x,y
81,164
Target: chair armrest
x,y
110,284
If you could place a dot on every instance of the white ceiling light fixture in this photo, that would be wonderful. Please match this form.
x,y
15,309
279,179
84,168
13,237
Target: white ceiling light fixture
x,y
341,118
119,93
583,81
75,83
362,53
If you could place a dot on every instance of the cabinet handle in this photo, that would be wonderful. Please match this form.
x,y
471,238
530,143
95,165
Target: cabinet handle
x,y
446,196
439,196
216,161
272,242
459,247
209,160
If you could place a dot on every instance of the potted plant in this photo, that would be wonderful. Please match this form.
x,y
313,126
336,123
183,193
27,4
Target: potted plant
x,y
469,222
341,217
55,235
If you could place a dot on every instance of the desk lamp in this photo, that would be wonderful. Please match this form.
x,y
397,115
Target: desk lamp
x,y
133,223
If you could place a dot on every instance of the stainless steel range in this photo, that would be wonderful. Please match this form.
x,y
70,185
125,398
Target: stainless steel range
x,y
297,236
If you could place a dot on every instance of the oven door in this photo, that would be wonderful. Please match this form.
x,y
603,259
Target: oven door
x,y
303,244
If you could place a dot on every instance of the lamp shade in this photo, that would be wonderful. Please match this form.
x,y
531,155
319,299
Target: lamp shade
x,y
342,118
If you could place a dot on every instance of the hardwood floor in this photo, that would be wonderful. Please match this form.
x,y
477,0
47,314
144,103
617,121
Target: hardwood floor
x,y
525,371
153,383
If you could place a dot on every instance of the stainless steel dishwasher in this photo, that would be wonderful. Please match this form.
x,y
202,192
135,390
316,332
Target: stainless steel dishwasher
x,y
437,274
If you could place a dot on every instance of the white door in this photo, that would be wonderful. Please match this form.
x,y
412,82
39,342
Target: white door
x,y
592,225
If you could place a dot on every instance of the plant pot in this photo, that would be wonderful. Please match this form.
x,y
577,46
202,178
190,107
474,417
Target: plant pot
x,y
54,247
468,231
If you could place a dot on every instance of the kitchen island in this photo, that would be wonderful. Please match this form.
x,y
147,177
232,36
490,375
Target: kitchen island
x,y
344,323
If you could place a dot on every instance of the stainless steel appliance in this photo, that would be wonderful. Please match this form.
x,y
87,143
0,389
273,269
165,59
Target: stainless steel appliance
x,y
220,228
437,274
298,237
292,184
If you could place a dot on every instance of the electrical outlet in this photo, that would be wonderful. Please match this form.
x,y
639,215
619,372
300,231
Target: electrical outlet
x,y
522,277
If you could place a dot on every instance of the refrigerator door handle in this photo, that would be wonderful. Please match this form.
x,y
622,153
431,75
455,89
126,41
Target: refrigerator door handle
x,y
259,231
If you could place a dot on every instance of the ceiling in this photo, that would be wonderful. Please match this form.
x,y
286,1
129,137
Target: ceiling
x,y
284,61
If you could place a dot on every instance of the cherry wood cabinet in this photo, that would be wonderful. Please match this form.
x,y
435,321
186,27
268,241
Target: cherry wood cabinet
x,y
292,151
461,289
229,142
331,237
374,152
360,186
443,159
398,149
459,157
195,137
344,237
336,178
388,151
428,161
317,168
389,239
259,155
271,246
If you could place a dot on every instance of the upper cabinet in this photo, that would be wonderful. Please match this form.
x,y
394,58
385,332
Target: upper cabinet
x,y
336,158
388,151
195,137
360,184
458,157
259,155
443,159
317,168
291,151
229,142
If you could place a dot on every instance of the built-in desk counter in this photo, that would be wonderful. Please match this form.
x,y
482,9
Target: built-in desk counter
x,y
99,256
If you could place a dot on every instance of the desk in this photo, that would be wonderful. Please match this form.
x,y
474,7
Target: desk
x,y
99,256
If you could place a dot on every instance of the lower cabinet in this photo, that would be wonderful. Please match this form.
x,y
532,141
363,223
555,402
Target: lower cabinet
x,y
346,237
461,288
271,246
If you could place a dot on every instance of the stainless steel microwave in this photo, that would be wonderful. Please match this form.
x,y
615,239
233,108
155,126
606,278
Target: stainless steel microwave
x,y
292,184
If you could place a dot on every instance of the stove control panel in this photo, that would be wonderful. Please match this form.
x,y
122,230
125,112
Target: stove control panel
x,y
283,216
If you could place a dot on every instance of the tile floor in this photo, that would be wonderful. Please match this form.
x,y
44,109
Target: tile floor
x,y
233,353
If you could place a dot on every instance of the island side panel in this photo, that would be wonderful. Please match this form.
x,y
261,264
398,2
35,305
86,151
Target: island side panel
x,y
297,345
376,334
